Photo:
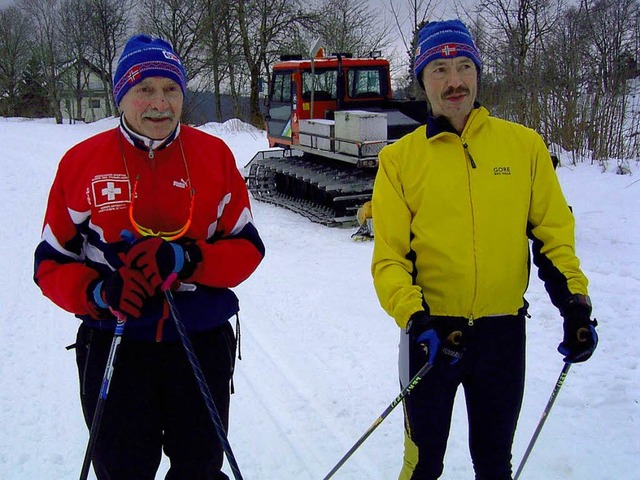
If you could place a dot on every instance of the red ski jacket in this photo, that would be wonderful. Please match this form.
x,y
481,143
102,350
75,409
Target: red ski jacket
x,y
92,200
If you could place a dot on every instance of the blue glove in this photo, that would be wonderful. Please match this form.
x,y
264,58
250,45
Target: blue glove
x,y
437,335
580,338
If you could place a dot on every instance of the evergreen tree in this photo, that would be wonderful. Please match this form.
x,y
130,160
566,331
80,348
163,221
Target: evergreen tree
x,y
33,100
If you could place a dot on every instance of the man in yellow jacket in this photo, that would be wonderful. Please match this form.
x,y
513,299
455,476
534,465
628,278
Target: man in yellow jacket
x,y
455,204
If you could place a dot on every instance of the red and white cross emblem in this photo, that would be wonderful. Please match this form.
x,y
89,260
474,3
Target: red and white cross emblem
x,y
448,50
111,191
133,73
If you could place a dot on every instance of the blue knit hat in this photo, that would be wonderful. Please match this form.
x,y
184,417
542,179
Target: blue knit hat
x,y
446,39
144,57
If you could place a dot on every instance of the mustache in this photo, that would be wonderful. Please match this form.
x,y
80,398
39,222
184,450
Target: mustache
x,y
450,92
156,115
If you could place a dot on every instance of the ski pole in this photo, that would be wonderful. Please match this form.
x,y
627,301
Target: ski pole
x,y
202,384
545,414
406,391
102,397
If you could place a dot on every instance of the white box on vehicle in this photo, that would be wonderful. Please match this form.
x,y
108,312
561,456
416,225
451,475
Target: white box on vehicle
x,y
317,133
356,127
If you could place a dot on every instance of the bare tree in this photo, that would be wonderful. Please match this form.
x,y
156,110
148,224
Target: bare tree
x,y
262,25
408,24
611,26
565,77
46,45
223,58
216,66
350,26
180,22
75,48
15,52
107,30
515,39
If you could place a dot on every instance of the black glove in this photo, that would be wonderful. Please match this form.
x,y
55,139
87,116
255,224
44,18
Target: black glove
x,y
157,259
580,338
437,335
124,291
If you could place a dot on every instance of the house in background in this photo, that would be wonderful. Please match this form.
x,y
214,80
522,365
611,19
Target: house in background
x,y
83,96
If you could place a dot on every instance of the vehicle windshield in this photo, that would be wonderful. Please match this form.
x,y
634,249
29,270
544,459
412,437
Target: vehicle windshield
x,y
365,82
323,82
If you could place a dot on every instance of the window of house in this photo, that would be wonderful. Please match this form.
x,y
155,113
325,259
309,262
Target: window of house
x,y
94,103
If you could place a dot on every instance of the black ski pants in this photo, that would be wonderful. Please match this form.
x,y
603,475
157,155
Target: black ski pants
x,y
491,372
154,403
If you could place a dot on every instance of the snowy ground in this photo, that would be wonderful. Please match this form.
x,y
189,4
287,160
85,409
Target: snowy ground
x,y
319,354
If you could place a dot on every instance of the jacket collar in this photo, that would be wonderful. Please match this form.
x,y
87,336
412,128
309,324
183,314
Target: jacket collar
x,y
145,143
438,125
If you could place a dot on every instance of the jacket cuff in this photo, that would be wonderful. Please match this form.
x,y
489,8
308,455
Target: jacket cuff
x,y
96,306
576,303
416,320
94,294
192,256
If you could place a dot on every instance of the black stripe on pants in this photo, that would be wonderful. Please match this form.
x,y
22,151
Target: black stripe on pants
x,y
154,403
492,375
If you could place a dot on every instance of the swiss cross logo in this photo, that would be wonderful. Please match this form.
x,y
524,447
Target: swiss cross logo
x,y
110,190
448,50
133,74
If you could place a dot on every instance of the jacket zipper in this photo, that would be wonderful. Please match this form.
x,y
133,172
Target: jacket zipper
x,y
468,154
151,152
473,230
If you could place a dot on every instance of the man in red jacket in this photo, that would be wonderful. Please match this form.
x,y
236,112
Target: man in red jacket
x,y
178,193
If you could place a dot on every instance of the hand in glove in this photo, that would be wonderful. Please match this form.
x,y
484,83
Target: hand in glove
x,y
157,259
124,291
436,334
580,337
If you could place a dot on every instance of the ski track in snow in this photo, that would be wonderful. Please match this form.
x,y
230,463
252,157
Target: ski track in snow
x,y
271,398
310,370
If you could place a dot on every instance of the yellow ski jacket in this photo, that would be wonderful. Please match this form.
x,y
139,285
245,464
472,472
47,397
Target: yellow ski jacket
x,y
453,215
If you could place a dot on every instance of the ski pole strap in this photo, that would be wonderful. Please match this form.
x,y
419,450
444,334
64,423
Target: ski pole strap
x,y
166,285
406,391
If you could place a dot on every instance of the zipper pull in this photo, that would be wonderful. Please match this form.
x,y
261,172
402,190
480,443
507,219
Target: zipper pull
x,y
151,154
470,322
466,150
